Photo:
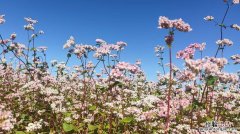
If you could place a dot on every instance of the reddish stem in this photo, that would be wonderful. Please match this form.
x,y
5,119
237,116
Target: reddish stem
x,y
169,91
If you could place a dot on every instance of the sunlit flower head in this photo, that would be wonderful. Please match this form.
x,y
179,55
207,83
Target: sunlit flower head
x,y
236,27
209,18
224,42
179,24
30,20
236,1
69,42
13,36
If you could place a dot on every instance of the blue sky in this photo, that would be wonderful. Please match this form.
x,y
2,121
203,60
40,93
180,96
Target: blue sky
x,y
132,21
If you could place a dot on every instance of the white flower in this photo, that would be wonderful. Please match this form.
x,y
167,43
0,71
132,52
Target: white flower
x,y
209,18
236,27
4,60
236,1
69,42
100,41
41,32
224,42
149,100
68,119
30,20
28,27
76,116
34,126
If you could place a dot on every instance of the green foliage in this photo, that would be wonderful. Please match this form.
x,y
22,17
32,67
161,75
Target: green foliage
x,y
68,127
92,127
92,108
19,132
211,80
127,120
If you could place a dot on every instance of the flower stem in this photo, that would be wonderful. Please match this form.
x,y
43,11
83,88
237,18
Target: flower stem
x,y
169,91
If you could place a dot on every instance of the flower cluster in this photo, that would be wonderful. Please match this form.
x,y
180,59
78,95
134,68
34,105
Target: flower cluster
x,y
7,120
70,42
209,18
236,58
236,1
119,72
223,42
236,27
30,25
189,51
178,24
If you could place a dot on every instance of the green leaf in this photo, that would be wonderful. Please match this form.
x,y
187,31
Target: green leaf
x,y
114,124
127,120
211,80
68,127
67,114
92,108
23,116
19,132
92,127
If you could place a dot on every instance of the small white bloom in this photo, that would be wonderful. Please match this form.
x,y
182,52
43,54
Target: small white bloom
x,y
209,18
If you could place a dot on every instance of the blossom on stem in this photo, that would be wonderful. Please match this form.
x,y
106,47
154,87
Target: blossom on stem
x,y
236,58
209,18
69,42
189,51
13,36
236,1
224,42
100,41
179,24
236,27
169,39
158,48
30,20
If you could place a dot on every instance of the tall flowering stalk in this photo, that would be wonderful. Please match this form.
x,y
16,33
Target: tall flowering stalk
x,y
222,42
171,25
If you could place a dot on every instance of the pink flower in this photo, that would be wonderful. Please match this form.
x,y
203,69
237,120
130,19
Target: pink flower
x,y
189,51
186,75
169,39
164,22
179,24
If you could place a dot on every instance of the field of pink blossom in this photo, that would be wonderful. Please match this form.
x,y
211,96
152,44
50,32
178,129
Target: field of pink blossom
x,y
111,96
